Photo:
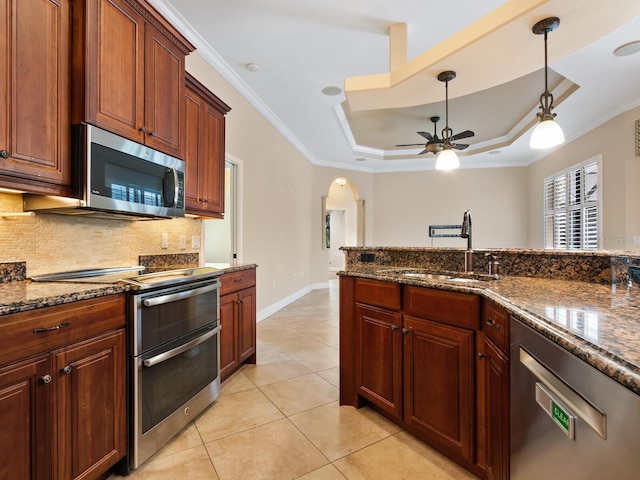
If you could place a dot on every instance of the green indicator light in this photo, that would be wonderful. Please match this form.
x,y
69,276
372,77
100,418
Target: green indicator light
x,y
560,416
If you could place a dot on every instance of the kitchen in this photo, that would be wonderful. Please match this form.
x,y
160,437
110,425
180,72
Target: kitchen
x,y
278,178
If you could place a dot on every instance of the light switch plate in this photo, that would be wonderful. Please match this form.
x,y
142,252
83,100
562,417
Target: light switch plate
x,y
164,240
195,241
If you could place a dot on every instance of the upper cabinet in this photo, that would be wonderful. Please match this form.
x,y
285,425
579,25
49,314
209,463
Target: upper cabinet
x,y
34,96
205,122
128,72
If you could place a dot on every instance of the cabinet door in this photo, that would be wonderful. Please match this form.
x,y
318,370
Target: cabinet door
x,y
439,384
212,168
34,95
379,357
194,106
114,96
247,325
26,422
91,386
164,94
229,357
495,370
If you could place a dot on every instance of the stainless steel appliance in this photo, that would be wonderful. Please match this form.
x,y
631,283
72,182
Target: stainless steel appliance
x,y
174,356
117,178
568,420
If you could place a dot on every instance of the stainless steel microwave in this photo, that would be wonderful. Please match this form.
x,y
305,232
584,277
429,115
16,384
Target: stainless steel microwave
x,y
115,177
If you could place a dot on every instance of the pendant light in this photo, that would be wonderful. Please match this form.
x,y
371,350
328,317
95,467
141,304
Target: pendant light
x,y
547,133
447,158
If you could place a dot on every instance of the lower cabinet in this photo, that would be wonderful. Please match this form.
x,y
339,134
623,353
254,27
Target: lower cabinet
x,y
63,410
422,358
238,321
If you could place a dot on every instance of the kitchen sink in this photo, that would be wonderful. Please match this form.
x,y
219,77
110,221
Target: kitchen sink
x,y
464,281
427,276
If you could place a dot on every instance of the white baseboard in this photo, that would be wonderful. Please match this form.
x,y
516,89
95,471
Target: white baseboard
x,y
271,309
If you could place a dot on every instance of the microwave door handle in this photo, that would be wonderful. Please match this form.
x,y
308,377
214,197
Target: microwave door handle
x,y
170,185
163,357
173,297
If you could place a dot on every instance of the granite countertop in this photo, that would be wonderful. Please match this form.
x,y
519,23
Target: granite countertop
x,y
21,296
597,323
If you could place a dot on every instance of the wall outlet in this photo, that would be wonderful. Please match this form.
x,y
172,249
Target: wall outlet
x,y
183,242
164,240
274,284
195,241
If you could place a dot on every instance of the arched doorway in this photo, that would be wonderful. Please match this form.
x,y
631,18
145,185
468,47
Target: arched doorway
x,y
343,221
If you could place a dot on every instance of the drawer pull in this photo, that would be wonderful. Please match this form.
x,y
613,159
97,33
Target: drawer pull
x,y
493,324
51,329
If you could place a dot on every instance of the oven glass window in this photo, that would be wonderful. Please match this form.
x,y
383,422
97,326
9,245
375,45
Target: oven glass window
x,y
168,321
168,385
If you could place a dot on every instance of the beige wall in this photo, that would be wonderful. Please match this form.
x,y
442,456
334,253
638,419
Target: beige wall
x,y
407,203
620,177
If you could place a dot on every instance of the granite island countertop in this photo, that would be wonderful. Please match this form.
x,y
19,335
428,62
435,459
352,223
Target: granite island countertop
x,y
598,323
25,295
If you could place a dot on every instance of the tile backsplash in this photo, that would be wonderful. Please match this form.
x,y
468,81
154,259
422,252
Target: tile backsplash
x,y
50,242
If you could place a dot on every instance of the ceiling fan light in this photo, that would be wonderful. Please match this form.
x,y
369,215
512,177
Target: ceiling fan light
x,y
447,160
547,134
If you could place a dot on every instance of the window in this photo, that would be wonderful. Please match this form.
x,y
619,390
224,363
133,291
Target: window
x,y
573,207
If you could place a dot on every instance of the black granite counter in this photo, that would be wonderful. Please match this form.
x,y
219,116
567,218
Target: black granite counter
x,y
598,323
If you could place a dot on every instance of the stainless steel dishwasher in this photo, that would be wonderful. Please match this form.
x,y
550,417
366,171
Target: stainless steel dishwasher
x,y
568,420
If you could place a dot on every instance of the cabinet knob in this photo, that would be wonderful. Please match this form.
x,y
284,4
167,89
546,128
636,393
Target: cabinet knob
x,y
405,331
152,133
143,129
67,370
481,355
394,327
493,324
45,379
4,154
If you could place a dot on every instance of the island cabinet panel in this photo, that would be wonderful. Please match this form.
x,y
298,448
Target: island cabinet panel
x,y
63,403
205,150
34,96
26,420
238,321
129,67
378,293
454,308
379,358
439,384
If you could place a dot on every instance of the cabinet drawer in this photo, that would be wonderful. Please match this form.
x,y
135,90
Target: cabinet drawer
x,y
495,324
24,334
378,293
454,308
234,281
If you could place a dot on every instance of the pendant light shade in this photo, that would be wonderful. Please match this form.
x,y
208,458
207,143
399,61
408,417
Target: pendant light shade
x,y
547,133
447,160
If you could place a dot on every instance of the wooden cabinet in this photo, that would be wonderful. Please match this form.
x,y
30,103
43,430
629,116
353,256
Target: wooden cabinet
x,y
493,387
238,321
62,413
204,156
128,65
439,384
34,96
379,357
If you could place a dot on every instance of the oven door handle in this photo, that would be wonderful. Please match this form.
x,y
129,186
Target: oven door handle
x,y
173,297
150,362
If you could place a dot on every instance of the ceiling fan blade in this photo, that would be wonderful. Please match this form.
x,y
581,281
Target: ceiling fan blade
x,y
465,134
423,152
411,145
426,135
460,146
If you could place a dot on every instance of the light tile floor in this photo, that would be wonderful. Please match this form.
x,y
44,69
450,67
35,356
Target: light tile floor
x,y
280,419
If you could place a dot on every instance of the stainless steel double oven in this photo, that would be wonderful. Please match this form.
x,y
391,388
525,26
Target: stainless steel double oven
x,y
174,354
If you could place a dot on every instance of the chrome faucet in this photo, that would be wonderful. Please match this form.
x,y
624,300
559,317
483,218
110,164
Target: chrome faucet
x,y
465,232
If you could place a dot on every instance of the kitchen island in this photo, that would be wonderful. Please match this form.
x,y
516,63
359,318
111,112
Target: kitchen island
x,y
428,345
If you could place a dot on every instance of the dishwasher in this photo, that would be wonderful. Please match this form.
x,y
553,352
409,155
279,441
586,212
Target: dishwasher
x,y
568,420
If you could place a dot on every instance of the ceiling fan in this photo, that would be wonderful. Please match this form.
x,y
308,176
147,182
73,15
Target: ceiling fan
x,y
435,144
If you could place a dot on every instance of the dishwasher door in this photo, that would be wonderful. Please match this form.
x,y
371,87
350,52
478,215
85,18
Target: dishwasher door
x,y
568,420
